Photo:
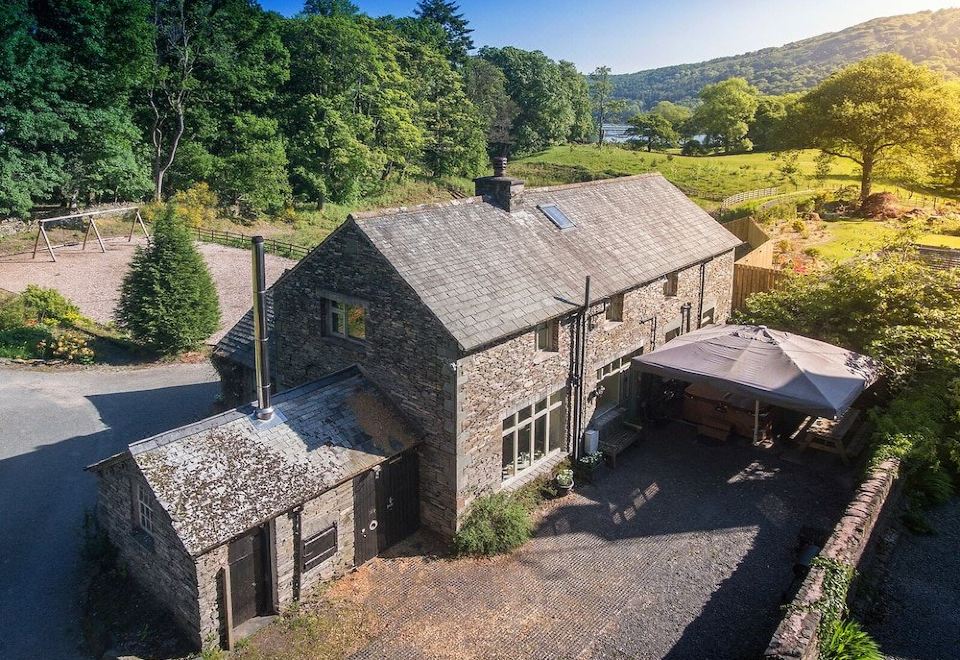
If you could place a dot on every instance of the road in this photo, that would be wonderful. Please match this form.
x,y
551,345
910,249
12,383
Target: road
x,y
53,424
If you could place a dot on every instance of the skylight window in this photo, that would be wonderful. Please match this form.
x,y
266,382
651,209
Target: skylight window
x,y
557,217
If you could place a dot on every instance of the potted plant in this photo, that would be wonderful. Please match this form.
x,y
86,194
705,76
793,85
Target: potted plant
x,y
564,481
589,464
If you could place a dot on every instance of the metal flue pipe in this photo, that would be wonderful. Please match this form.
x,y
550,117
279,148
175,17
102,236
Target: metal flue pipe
x,y
261,337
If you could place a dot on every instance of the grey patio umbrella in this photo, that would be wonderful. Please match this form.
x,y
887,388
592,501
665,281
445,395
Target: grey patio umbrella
x,y
780,368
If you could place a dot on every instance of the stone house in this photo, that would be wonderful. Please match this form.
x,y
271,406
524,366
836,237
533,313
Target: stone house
x,y
228,520
424,356
473,315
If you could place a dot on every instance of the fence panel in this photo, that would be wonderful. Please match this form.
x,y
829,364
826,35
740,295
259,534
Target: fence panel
x,y
240,240
748,280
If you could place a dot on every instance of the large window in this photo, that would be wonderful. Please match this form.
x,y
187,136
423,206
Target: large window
x,y
547,337
346,320
615,308
612,382
533,432
671,284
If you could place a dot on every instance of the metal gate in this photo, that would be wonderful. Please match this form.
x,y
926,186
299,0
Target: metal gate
x,y
386,506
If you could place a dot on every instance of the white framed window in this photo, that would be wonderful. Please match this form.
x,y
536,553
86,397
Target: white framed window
x,y
346,320
145,516
615,308
671,284
612,385
546,337
533,433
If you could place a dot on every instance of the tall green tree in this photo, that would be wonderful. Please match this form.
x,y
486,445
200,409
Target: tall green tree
x,y
330,8
553,99
677,115
653,131
769,123
167,299
486,86
869,110
447,15
601,95
725,112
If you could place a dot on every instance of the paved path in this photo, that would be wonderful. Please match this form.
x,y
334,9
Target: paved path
x,y
92,279
920,598
52,424
684,551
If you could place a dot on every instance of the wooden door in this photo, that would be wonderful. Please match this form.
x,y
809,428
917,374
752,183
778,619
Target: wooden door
x,y
398,498
366,522
249,576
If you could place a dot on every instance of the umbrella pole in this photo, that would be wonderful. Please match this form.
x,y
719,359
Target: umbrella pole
x,y
756,420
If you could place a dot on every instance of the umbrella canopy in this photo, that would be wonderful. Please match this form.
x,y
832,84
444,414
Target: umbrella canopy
x,y
781,368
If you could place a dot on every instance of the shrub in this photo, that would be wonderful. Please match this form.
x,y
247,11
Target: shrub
x,y
496,524
48,306
13,314
23,343
846,640
197,205
70,346
798,226
167,300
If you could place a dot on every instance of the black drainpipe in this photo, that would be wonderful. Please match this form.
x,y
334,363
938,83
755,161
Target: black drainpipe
x,y
685,310
703,284
579,328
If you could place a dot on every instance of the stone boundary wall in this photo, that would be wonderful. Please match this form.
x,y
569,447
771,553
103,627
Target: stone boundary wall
x,y
797,635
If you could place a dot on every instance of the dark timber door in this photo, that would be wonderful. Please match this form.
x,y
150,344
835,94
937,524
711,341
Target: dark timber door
x,y
386,505
249,575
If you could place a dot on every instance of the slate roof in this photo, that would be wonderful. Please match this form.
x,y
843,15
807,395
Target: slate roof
x,y
486,273
237,344
223,475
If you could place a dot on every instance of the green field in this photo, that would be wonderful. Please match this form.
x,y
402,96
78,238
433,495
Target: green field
x,y
708,178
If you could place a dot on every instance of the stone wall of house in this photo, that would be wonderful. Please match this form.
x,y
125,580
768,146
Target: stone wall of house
x,y
334,507
158,563
495,381
407,352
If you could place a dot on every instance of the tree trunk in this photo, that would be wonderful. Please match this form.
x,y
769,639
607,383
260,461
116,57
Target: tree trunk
x,y
956,176
866,179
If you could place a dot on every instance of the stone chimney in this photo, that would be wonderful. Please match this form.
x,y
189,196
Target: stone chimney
x,y
500,189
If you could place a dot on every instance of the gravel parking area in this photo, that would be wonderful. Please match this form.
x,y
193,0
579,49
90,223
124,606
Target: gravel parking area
x,y
684,551
919,592
92,279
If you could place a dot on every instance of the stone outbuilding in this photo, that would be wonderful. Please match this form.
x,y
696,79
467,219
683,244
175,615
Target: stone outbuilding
x,y
228,520
475,316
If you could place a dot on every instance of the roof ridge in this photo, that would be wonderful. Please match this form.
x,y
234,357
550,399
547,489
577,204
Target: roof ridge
x,y
598,182
393,210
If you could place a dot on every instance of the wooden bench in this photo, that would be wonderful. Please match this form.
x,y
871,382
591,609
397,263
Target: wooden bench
x,y
833,435
615,442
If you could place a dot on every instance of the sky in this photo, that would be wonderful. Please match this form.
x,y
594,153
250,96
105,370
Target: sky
x,y
632,35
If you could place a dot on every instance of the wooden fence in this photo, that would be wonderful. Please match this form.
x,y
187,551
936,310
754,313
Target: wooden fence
x,y
235,239
741,197
748,280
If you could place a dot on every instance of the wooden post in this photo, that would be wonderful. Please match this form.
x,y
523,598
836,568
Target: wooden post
x,y
93,223
36,243
227,640
133,225
47,241
87,233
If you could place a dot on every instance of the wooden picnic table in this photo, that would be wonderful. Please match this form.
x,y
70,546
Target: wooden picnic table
x,y
833,435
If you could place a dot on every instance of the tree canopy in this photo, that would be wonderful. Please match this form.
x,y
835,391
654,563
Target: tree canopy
x,y
869,110
653,131
725,113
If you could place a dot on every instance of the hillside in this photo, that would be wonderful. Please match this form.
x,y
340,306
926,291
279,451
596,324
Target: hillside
x,y
931,38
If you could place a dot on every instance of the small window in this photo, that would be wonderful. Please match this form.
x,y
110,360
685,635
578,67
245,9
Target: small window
x,y
547,337
145,516
672,284
671,334
615,308
346,320
319,548
708,317
557,217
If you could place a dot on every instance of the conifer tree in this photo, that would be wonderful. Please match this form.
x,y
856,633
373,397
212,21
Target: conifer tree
x,y
447,15
167,300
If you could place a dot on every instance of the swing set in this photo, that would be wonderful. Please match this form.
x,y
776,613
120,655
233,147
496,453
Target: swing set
x,y
91,224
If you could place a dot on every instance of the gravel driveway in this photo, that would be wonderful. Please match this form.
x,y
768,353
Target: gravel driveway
x,y
92,279
920,595
52,424
684,551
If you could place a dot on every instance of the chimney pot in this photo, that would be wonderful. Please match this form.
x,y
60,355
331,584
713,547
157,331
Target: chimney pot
x,y
500,189
500,166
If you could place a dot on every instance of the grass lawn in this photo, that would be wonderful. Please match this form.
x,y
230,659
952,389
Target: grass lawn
x,y
940,240
850,237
